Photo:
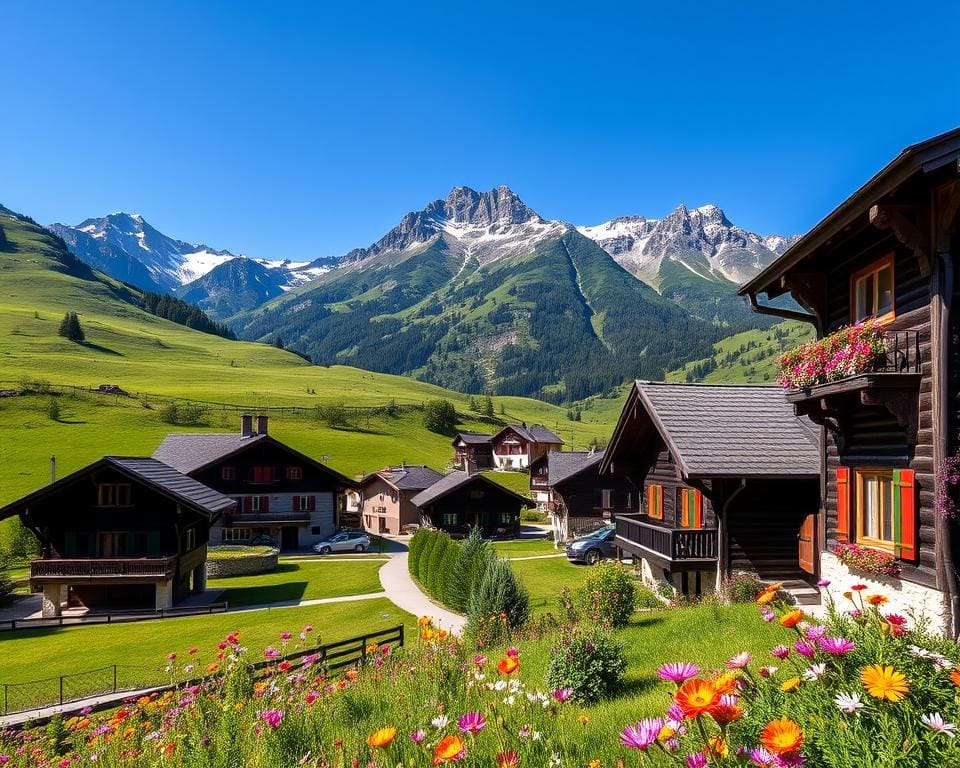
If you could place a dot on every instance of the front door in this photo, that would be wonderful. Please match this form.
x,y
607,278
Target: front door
x,y
806,543
289,537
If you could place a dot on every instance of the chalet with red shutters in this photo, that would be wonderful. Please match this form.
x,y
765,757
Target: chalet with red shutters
x,y
282,496
516,446
729,484
884,395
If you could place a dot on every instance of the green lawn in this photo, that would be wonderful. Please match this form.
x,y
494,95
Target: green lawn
x,y
33,654
544,579
525,547
518,482
301,580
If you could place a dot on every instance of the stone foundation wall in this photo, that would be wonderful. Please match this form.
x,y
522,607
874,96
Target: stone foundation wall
x,y
245,565
918,603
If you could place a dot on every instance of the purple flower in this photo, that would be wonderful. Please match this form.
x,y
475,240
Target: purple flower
x,y
675,714
815,631
739,661
780,652
837,645
563,694
696,760
804,649
417,736
271,653
760,757
472,722
767,615
823,583
677,671
641,735
272,717
790,760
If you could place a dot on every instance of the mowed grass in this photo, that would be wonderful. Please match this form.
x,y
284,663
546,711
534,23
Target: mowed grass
x,y
525,547
297,580
518,482
34,654
546,578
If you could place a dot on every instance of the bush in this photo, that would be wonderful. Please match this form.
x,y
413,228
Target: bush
x,y
440,416
475,554
742,588
417,543
498,592
70,327
181,414
646,599
423,564
533,516
608,594
589,662
434,578
53,409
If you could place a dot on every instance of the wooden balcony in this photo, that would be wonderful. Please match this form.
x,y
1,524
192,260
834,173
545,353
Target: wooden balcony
x,y
267,518
108,568
638,535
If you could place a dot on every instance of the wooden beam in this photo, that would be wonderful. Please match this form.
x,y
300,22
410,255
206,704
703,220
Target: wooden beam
x,y
896,219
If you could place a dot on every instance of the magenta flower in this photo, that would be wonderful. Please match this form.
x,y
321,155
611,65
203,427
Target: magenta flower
x,y
271,653
285,635
641,735
479,659
767,615
780,652
472,722
804,649
563,694
815,631
837,645
696,760
312,696
739,661
790,760
677,671
417,736
760,757
272,717
675,716
513,651
823,583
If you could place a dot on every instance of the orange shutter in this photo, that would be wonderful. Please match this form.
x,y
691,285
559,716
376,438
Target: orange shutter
x,y
905,514
697,509
843,504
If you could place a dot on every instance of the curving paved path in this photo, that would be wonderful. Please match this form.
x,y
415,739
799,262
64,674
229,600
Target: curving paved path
x,y
403,592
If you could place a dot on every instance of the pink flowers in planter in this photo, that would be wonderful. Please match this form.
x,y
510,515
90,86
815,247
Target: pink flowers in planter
x,y
866,559
848,352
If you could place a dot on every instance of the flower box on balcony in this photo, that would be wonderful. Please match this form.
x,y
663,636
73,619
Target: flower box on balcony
x,y
866,559
851,351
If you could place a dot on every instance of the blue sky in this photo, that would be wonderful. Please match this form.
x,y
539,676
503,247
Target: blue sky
x,y
296,130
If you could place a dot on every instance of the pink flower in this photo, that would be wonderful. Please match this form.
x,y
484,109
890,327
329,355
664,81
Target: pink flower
x,y
696,760
739,661
641,735
285,635
837,646
272,717
472,722
780,652
417,736
815,631
171,657
512,651
677,671
479,659
804,649
563,694
312,696
308,628
767,615
271,653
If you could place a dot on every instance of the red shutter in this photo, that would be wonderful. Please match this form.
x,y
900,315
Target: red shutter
x,y
248,504
905,514
312,503
258,474
296,503
264,503
843,504
698,509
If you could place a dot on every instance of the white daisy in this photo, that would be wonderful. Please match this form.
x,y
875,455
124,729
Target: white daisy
x,y
814,672
848,703
935,722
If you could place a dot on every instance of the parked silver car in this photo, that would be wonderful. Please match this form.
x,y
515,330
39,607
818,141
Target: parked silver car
x,y
343,541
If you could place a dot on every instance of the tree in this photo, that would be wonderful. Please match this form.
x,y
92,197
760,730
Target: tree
x,y
440,416
499,592
472,561
488,407
70,327
278,342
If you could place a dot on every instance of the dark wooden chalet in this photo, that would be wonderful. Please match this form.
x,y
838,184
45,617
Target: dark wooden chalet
x,y
282,495
461,501
569,487
888,254
120,533
473,451
516,446
729,484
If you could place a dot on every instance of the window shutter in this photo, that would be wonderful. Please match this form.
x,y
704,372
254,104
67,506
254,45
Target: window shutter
x,y
248,504
312,503
904,514
843,504
296,503
264,503
697,515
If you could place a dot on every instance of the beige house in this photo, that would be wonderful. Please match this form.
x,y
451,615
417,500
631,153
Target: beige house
x,y
385,505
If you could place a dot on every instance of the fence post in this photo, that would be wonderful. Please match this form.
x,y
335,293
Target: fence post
x,y
114,678
401,636
61,690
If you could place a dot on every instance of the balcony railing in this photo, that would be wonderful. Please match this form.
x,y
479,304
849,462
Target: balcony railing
x,y
106,567
267,517
638,536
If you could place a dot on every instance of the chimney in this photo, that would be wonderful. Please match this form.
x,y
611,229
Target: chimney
x,y
246,425
261,425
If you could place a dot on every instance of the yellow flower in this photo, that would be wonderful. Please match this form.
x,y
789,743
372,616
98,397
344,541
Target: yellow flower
x,y
877,600
717,747
423,621
884,682
595,764
792,619
583,719
381,737
789,686
766,597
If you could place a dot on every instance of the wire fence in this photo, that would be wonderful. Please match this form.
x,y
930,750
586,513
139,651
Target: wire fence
x,y
56,622
116,678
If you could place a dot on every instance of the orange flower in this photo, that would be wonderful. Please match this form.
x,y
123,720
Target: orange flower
x,y
448,749
382,737
773,587
725,683
792,619
695,697
877,600
766,597
351,674
508,665
424,621
717,747
780,736
724,714
583,719
789,686
955,677
884,682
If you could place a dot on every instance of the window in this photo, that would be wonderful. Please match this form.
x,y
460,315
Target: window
x,y
506,518
189,539
235,534
606,498
113,495
228,473
450,518
655,502
872,291
316,530
294,473
259,503
874,490
690,508
304,503
263,474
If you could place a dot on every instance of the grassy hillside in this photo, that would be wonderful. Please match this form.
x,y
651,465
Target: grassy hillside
x,y
142,353
748,357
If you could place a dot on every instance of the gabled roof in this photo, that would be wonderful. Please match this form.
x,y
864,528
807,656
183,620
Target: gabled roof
x,y
457,480
564,465
412,478
473,438
190,452
534,434
925,156
159,476
724,431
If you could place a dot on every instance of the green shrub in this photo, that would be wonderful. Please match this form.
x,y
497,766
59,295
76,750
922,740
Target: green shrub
x,y
423,564
434,578
181,414
533,516
499,592
417,543
448,566
53,409
588,661
608,594
646,599
440,416
742,588
474,555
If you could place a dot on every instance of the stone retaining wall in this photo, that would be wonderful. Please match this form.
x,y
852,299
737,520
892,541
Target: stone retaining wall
x,y
244,565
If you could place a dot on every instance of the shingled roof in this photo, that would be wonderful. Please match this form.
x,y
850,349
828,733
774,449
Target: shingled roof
x,y
727,431
412,478
562,465
473,438
149,471
535,433
456,480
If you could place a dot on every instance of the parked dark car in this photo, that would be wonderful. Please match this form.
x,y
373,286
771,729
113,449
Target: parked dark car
x,y
594,547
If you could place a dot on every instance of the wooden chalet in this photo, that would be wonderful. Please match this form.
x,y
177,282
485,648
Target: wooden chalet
x,y
516,446
281,494
386,497
461,501
729,479
473,451
120,533
888,254
568,486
